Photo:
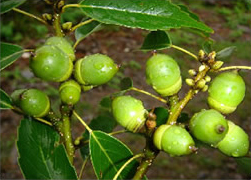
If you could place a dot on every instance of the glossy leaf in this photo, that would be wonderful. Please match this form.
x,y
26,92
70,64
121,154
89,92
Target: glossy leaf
x,y
185,9
108,154
87,29
162,115
9,53
207,46
225,53
40,155
7,5
106,102
104,123
5,101
156,40
144,14
244,164
126,83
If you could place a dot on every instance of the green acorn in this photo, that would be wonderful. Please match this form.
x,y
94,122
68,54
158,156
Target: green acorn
x,y
70,92
226,92
163,74
174,140
32,102
51,64
235,143
129,112
62,44
95,70
208,126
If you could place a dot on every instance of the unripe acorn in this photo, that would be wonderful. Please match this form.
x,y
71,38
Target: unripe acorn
x,y
70,92
174,140
235,143
208,126
163,74
32,102
95,69
51,64
62,44
129,112
226,92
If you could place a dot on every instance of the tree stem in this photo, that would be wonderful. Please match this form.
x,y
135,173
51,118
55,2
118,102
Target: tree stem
x,y
66,130
177,108
30,15
150,153
57,25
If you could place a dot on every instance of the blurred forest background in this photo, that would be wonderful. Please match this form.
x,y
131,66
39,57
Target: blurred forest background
x,y
231,21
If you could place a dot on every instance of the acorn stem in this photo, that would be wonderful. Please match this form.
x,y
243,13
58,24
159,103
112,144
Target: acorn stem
x,y
149,94
30,15
81,24
185,51
234,67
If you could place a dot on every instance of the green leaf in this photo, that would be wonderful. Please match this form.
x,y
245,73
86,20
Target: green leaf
x,y
185,9
9,54
40,155
7,5
106,102
183,118
87,29
207,46
144,14
5,101
162,115
156,40
104,123
225,53
244,164
126,83
108,154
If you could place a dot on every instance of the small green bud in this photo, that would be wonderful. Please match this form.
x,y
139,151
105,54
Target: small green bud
x,y
190,82
207,78
192,72
201,68
217,65
67,26
201,84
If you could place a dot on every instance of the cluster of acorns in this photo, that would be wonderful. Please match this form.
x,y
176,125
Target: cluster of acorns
x,y
226,92
55,62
